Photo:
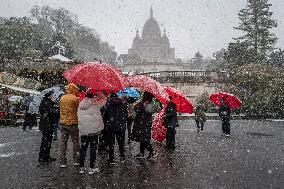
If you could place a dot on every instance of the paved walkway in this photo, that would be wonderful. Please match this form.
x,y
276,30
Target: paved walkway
x,y
252,158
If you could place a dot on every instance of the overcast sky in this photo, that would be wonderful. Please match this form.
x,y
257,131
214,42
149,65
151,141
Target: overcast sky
x,y
192,25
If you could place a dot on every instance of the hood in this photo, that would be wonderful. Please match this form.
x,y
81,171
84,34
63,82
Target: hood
x,y
72,89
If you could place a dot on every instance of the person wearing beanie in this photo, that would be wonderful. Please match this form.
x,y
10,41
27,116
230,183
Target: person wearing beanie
x,y
69,104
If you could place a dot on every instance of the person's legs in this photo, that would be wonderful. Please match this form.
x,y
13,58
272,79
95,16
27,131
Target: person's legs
x,y
32,121
170,141
202,125
120,137
93,150
224,127
173,138
56,127
83,150
142,147
197,125
111,142
48,145
103,143
129,124
76,144
149,147
26,121
227,127
167,138
63,146
43,144
25,125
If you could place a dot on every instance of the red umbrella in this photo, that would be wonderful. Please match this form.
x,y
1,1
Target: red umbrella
x,y
158,129
99,76
148,84
182,102
232,101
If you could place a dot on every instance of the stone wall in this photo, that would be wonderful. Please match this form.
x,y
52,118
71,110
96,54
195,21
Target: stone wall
x,y
149,67
192,83
195,90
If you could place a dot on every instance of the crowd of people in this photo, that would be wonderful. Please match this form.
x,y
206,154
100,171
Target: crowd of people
x,y
97,121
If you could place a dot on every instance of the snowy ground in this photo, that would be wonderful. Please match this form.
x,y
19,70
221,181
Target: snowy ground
x,y
252,158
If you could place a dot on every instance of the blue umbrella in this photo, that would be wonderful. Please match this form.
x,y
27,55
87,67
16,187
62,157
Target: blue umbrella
x,y
129,92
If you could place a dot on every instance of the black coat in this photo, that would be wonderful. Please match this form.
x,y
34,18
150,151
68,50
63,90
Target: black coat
x,y
115,115
142,122
225,112
170,117
48,115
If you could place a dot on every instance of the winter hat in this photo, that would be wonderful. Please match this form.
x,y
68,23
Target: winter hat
x,y
71,88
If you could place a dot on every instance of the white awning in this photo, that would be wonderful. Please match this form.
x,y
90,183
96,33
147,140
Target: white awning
x,y
30,91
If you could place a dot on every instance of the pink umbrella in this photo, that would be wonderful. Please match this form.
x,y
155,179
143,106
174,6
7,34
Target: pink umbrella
x,y
158,128
148,84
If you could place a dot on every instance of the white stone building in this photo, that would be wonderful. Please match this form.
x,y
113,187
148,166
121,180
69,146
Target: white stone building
x,y
152,46
151,52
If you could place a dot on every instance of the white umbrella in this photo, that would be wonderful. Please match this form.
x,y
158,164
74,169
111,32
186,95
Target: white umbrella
x,y
15,99
57,93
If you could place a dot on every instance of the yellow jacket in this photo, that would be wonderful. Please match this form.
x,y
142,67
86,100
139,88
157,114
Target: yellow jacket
x,y
69,104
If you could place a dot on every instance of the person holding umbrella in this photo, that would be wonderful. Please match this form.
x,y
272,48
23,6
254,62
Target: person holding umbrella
x,y
141,131
90,124
226,102
171,122
224,114
46,126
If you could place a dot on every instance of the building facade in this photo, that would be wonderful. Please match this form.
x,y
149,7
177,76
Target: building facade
x,y
152,46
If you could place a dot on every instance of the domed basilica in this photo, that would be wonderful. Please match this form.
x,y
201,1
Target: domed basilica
x,y
152,46
151,52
